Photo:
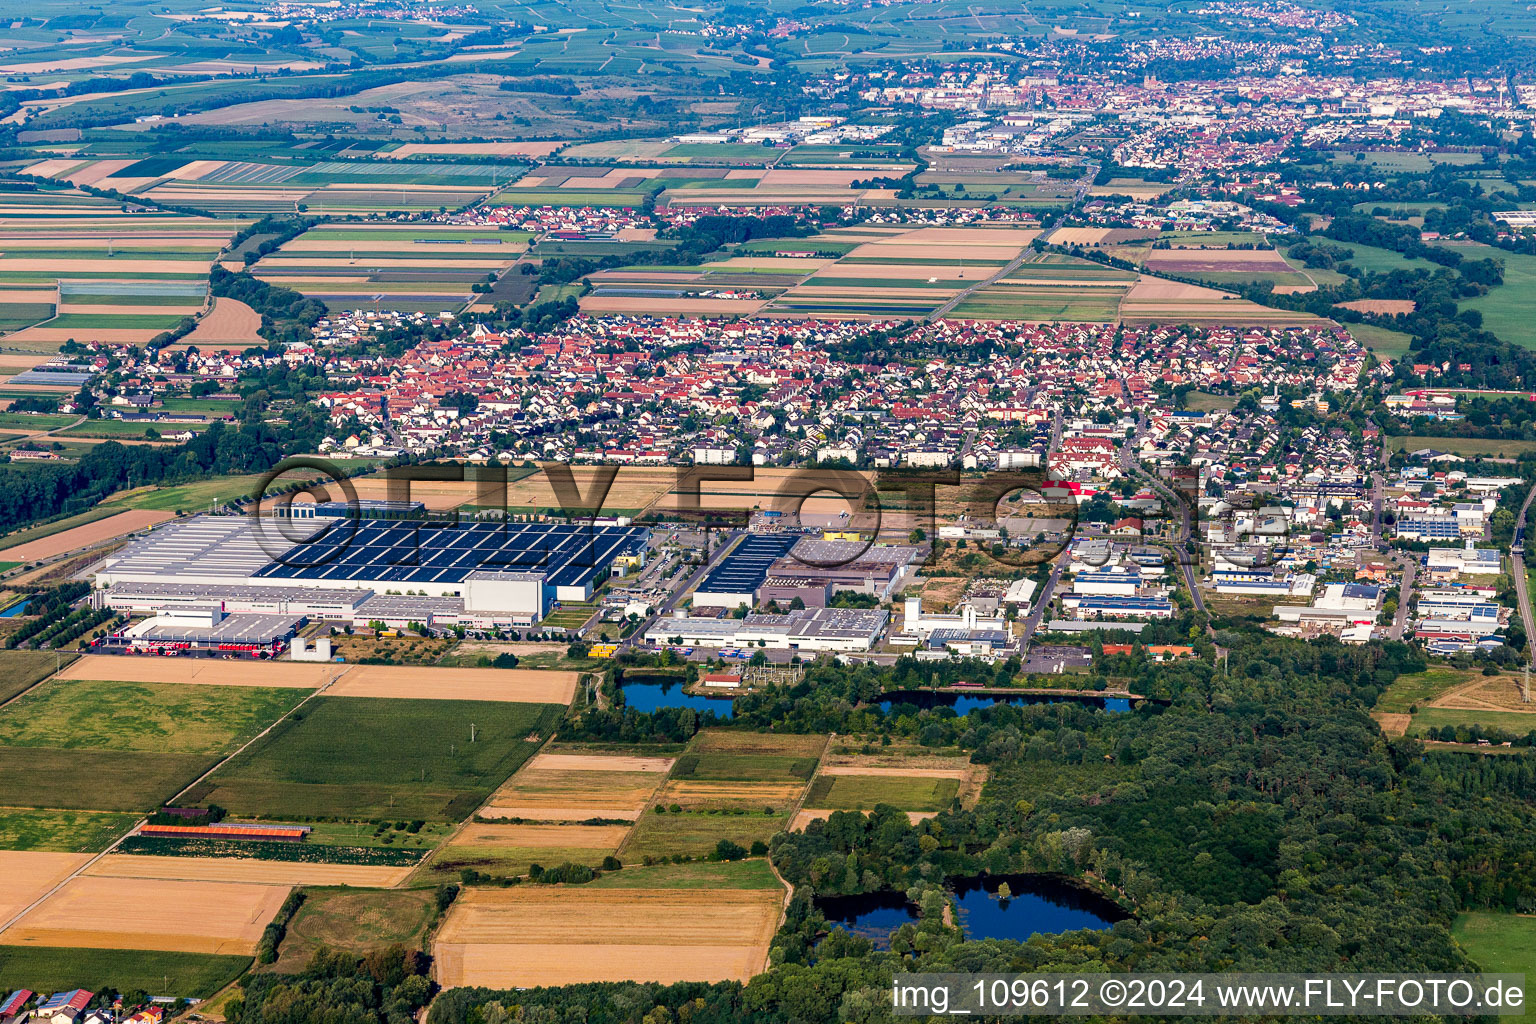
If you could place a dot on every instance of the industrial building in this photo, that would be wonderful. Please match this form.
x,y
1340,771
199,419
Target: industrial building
x,y
813,629
393,571
734,580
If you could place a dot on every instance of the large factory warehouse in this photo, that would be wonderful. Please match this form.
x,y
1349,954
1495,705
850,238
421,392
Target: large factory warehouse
x,y
483,574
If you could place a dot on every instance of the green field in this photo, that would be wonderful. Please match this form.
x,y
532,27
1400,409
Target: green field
x,y
1471,447
740,874
24,828
864,792
695,833
1384,342
53,969
1515,722
1200,401
106,321
22,669
178,718
507,861
1498,943
1039,304
124,746
1509,310
1421,688
188,497
360,757
35,420
120,429
358,921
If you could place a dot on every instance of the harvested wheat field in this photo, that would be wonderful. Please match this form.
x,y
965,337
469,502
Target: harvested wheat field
x,y
25,875
594,790
246,869
542,837
83,536
230,322
600,763
1381,307
517,685
505,938
141,913
206,671
1485,693
1079,236
1392,724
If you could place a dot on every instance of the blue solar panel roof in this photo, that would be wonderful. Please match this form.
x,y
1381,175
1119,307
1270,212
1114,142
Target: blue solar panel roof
x,y
745,568
412,552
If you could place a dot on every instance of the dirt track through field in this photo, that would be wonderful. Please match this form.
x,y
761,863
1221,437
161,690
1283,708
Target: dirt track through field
x,y
27,874
246,869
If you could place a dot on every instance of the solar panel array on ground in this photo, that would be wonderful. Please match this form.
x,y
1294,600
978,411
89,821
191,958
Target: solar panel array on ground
x,y
406,552
745,568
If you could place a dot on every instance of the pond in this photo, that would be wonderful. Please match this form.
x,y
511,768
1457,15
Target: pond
x,y
652,696
1037,905
19,608
965,703
872,915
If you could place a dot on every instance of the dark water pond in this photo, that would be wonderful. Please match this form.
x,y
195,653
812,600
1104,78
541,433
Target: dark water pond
x,y
1037,905
965,703
652,696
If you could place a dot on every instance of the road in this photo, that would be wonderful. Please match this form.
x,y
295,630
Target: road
x,y
1517,569
1001,273
1043,602
1410,565
727,541
1174,500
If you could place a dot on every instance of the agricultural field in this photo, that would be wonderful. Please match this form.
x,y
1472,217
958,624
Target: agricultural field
x,y
245,869
504,850
577,786
93,912
1471,447
201,671
368,757
1153,300
99,532
358,921
27,828
115,277
840,791
1509,310
59,969
529,686
536,935
425,268
21,670
249,188
902,274
112,745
